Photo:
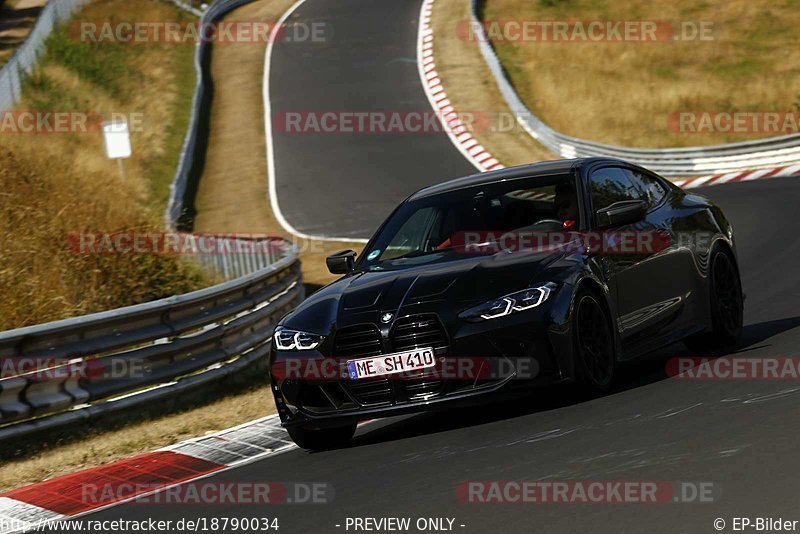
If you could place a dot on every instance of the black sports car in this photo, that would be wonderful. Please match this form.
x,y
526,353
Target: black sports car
x,y
544,273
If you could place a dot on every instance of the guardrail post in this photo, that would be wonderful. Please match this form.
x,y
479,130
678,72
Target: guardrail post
x,y
11,405
45,392
13,80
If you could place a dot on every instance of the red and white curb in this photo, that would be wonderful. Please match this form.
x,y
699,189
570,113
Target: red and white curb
x,y
32,506
456,130
739,176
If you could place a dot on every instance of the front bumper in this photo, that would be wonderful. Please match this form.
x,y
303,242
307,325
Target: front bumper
x,y
508,355
475,397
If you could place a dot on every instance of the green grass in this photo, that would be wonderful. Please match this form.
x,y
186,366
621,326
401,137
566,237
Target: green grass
x,y
161,171
665,72
102,64
107,66
739,68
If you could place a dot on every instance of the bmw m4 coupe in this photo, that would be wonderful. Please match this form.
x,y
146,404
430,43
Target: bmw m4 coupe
x,y
546,273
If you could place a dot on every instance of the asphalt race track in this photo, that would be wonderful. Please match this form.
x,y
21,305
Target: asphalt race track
x,y
366,63
740,435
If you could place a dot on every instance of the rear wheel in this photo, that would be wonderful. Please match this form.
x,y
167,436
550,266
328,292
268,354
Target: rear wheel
x,y
324,439
727,305
595,354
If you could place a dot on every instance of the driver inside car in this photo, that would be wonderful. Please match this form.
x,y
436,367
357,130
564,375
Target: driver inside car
x,y
566,204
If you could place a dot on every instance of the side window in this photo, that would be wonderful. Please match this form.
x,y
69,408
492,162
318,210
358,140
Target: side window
x,y
612,184
654,192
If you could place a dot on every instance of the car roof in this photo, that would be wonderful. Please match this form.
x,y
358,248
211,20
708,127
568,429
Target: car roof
x,y
531,170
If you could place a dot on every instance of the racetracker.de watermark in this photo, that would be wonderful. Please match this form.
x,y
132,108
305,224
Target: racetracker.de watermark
x,y
737,122
171,243
600,242
734,368
585,31
36,122
585,492
382,122
207,492
597,242
395,121
186,32
469,368
45,369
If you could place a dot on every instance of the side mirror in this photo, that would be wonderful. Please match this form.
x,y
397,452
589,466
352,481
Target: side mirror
x,y
621,213
341,262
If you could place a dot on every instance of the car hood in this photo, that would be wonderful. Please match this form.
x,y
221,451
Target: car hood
x,y
363,296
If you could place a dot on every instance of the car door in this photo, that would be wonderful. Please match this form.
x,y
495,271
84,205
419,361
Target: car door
x,y
631,255
672,261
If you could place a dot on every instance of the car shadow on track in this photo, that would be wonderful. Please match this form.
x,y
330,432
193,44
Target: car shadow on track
x,y
641,372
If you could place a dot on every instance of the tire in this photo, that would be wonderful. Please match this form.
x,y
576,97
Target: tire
x,y
727,305
321,440
594,345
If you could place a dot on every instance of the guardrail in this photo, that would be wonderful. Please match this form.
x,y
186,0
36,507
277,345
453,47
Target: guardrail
x,y
26,56
234,256
115,360
687,161
180,210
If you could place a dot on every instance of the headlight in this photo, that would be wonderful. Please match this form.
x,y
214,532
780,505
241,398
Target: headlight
x,y
287,339
515,302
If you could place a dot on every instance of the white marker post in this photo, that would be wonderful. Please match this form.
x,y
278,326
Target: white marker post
x,y
117,138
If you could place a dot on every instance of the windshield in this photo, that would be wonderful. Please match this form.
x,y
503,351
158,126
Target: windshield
x,y
433,229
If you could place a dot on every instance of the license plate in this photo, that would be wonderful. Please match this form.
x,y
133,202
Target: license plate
x,y
389,364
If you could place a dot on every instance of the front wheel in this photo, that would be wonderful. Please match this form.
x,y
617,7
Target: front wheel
x,y
727,305
595,354
324,439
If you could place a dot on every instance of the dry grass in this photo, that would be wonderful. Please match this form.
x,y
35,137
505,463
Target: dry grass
x,y
471,88
623,93
52,185
233,193
41,279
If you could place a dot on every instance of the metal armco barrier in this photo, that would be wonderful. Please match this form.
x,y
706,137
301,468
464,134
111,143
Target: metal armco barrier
x,y
26,56
123,358
688,161
233,257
